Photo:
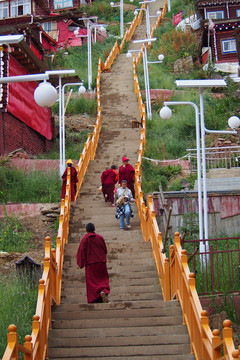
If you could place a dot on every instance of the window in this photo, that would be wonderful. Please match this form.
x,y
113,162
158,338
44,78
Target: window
x,y
47,26
59,4
238,13
228,46
4,11
20,7
215,15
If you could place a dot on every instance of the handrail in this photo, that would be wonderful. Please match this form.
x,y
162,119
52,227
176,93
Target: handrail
x,y
49,288
206,344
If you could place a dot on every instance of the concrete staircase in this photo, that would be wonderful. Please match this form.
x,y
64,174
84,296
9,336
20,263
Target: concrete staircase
x,y
136,324
222,180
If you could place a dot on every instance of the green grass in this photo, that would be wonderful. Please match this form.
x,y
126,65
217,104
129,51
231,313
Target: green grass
x,y
18,303
13,236
33,186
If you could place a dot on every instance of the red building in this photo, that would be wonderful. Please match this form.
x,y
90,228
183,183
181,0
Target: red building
x,y
220,27
23,124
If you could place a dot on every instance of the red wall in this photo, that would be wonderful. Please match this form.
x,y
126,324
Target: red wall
x,y
17,135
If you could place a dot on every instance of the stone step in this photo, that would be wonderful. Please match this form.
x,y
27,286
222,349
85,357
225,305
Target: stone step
x,y
148,304
118,268
137,275
76,283
75,299
121,322
111,234
223,173
117,341
113,252
116,314
119,331
115,261
116,289
147,357
120,350
221,184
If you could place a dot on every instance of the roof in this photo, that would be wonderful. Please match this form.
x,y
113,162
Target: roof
x,y
204,3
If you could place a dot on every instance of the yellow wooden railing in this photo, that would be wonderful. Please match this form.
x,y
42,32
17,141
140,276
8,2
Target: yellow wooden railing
x,y
205,344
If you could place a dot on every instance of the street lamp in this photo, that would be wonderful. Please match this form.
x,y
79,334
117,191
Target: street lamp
x,y
61,123
146,74
90,26
81,90
147,16
165,114
121,14
233,122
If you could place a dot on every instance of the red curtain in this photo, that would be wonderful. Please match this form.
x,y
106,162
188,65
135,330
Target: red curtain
x,y
21,102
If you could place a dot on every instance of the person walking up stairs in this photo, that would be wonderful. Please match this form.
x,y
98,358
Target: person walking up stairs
x,y
136,324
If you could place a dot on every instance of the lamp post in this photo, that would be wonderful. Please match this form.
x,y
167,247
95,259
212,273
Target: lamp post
x,y
147,16
233,122
45,95
121,15
146,74
81,90
165,114
61,121
90,26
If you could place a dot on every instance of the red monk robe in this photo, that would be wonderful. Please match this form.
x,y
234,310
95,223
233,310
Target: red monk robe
x,y
91,254
108,179
127,172
74,181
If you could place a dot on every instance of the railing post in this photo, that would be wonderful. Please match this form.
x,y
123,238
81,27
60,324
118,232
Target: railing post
x,y
12,339
216,351
28,345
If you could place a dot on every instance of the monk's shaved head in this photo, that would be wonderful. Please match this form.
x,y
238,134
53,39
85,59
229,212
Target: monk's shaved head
x,y
90,227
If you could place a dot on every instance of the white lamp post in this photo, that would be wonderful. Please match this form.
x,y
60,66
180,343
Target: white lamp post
x,y
90,26
234,122
121,15
61,122
165,114
81,90
146,74
147,16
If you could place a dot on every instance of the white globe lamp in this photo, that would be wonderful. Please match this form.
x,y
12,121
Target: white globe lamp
x,y
128,55
81,90
111,3
158,13
102,28
135,12
76,31
45,95
165,113
160,57
234,122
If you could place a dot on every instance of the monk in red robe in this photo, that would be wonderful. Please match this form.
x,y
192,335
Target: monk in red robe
x,y
127,172
91,254
74,180
109,178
